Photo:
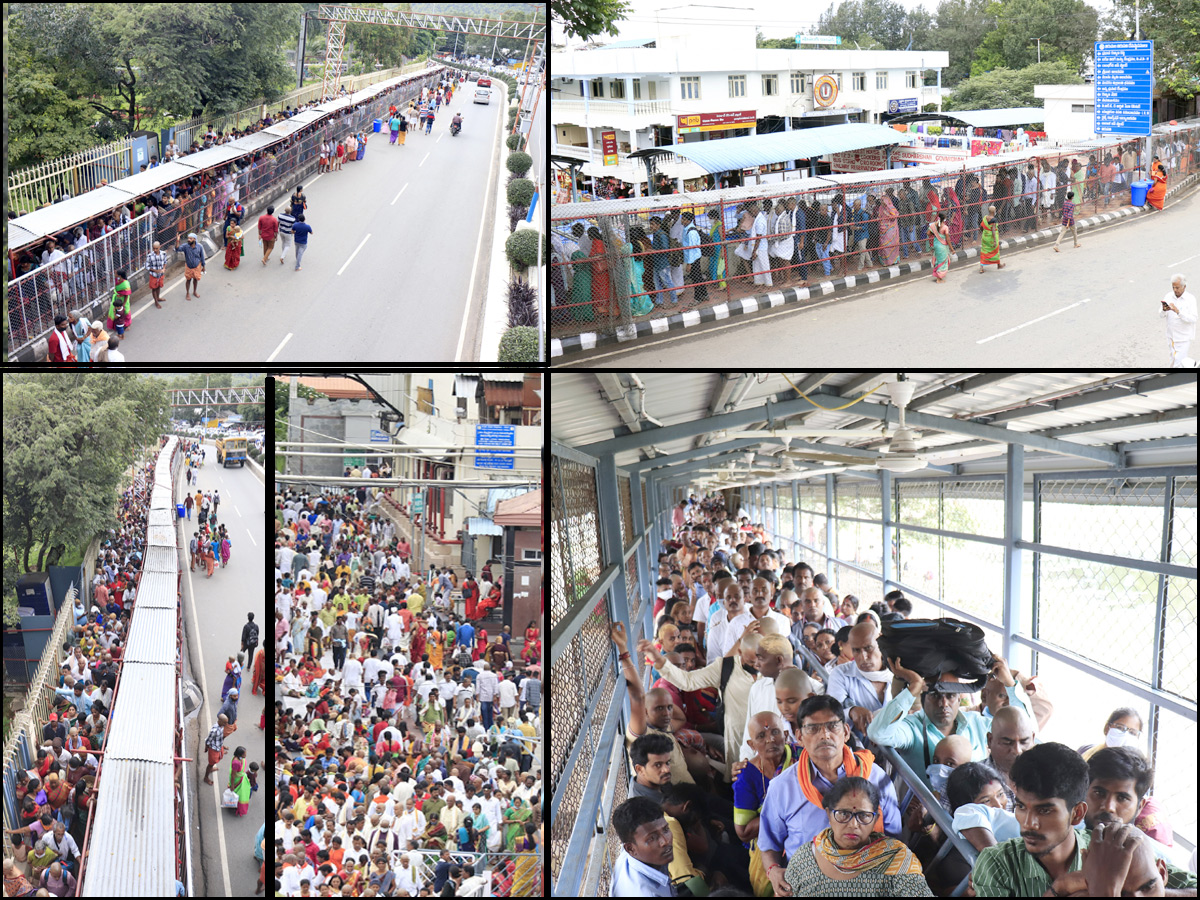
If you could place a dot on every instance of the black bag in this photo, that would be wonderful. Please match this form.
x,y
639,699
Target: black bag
x,y
675,253
932,646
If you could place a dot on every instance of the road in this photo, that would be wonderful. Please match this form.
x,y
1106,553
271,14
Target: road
x,y
1096,305
216,611
394,242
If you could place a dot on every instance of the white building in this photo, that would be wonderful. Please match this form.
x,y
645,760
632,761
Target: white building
x,y
1070,111
706,80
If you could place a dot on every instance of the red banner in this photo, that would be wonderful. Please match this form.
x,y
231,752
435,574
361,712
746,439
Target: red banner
x,y
715,121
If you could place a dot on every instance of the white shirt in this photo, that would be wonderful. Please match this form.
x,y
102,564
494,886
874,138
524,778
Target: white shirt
x,y
633,878
724,634
759,248
782,247
116,356
1181,326
508,693
1049,183
848,681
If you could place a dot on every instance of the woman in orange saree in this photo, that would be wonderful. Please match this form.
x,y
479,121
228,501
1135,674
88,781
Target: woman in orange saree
x,y
1158,191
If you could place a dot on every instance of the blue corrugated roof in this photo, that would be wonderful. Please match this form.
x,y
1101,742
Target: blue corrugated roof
x,y
804,143
984,118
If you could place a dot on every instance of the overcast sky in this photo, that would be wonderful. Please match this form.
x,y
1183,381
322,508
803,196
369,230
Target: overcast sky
x,y
776,18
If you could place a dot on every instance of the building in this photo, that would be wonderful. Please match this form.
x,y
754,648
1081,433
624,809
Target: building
x,y
706,80
1070,110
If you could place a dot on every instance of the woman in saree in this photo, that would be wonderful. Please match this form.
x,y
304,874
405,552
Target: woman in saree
x,y
638,243
119,310
480,644
933,205
224,551
418,640
528,863
233,246
601,286
435,645
258,684
954,218
855,851
989,237
1158,190
515,817
889,230
239,781
939,238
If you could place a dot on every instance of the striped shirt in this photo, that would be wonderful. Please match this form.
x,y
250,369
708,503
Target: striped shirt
x,y
1009,870
156,262
1068,213
285,222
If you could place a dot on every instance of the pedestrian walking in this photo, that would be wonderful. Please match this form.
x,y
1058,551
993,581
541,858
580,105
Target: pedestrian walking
x,y
187,504
268,230
194,265
299,201
156,264
1179,309
395,126
1068,220
989,241
939,237
402,124
286,222
233,215
300,232
214,744
239,780
429,122
324,161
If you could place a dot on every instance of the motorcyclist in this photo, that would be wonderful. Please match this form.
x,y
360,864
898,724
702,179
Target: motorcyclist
x,y
456,122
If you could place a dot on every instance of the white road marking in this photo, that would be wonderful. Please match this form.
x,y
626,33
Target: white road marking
x,y
397,197
280,347
1032,321
252,540
361,244
422,162
1193,256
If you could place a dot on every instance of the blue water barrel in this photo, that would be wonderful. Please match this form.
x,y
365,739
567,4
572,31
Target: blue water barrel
x,y
1139,189
378,125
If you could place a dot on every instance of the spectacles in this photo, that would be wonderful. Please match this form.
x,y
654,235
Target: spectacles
x,y
1135,732
845,815
818,727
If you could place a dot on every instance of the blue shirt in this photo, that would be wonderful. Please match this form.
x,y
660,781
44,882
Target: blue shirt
x,y
691,245
910,735
82,703
634,878
301,230
192,256
659,241
787,821
861,217
465,635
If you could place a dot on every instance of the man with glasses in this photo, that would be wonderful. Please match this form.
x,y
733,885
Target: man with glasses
x,y
792,812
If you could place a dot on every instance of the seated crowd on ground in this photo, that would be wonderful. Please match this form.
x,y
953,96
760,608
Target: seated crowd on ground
x,y
757,771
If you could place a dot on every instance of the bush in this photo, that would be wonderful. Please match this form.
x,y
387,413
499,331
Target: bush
x,y
522,304
519,162
519,345
515,215
520,191
513,141
522,248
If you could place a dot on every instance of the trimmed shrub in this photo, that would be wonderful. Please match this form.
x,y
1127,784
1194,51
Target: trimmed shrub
x,y
520,191
521,248
519,162
513,141
519,345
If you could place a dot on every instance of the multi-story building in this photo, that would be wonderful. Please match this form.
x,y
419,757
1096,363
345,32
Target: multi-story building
x,y
706,80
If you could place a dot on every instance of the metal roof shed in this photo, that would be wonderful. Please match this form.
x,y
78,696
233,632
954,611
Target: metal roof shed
x,y
979,118
805,143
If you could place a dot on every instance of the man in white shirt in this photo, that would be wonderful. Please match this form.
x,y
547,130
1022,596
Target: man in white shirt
x,y
760,264
1049,182
861,686
485,690
728,627
1179,309
409,823
506,690
405,877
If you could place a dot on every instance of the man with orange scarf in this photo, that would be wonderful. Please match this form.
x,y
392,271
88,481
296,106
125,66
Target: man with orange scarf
x,y
792,812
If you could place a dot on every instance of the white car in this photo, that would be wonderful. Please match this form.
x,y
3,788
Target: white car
x,y
483,95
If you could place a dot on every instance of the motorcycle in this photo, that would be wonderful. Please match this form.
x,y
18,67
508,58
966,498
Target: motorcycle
x,y
455,128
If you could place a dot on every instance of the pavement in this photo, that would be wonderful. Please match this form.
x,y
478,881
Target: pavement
x,y
1095,305
215,610
389,273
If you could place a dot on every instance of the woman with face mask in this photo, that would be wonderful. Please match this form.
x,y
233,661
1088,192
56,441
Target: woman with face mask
x,y
1122,729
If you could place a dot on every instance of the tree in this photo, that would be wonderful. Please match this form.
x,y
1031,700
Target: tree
x,y
1174,26
1002,88
588,18
961,27
1067,29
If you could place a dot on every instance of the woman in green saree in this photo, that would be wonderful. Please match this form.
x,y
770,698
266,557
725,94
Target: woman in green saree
x,y
515,818
989,248
939,236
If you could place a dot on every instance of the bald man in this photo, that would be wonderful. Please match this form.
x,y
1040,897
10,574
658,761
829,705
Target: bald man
x,y
773,656
1011,734
861,685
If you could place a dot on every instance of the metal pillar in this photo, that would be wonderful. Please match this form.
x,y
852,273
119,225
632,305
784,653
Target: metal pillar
x,y
1014,496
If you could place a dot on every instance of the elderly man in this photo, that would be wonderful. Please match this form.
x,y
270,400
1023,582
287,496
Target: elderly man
x,y
815,607
727,628
1010,734
792,813
1179,309
861,685
774,655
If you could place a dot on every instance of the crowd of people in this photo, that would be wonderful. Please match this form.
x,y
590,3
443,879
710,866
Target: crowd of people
x,y
407,741
55,795
756,760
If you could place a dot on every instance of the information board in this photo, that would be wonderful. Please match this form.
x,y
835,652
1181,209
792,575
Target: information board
x,y
495,436
1124,82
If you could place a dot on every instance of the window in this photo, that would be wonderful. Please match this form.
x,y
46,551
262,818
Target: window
x,y
598,87
534,555
910,79
770,85
737,85
637,89
689,87
618,90
859,80
881,81
799,82
1082,107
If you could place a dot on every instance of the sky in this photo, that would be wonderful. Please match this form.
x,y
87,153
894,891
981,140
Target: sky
x,y
777,18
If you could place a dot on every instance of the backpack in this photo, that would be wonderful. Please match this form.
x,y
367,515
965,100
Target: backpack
x,y
675,252
933,646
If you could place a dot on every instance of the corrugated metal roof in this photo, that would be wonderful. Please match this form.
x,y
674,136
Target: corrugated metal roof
x,y
984,118
160,535
161,517
147,695
161,559
131,849
480,525
158,589
151,638
522,511
804,143
582,414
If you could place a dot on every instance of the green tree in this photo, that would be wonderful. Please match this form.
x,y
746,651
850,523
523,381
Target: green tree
x,y
961,27
1067,29
1002,88
1174,26
588,18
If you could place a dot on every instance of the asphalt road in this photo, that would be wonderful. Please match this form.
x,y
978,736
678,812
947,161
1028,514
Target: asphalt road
x,y
386,274
1096,305
216,612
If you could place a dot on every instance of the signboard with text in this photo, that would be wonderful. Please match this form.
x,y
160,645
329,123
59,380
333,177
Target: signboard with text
x,y
818,39
609,140
715,121
907,105
1124,84
498,436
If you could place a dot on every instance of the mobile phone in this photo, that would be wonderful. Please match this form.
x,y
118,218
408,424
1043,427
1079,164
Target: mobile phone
x,y
1165,305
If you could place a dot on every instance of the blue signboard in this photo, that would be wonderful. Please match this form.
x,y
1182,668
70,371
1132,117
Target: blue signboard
x,y
1124,82
495,436
907,105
